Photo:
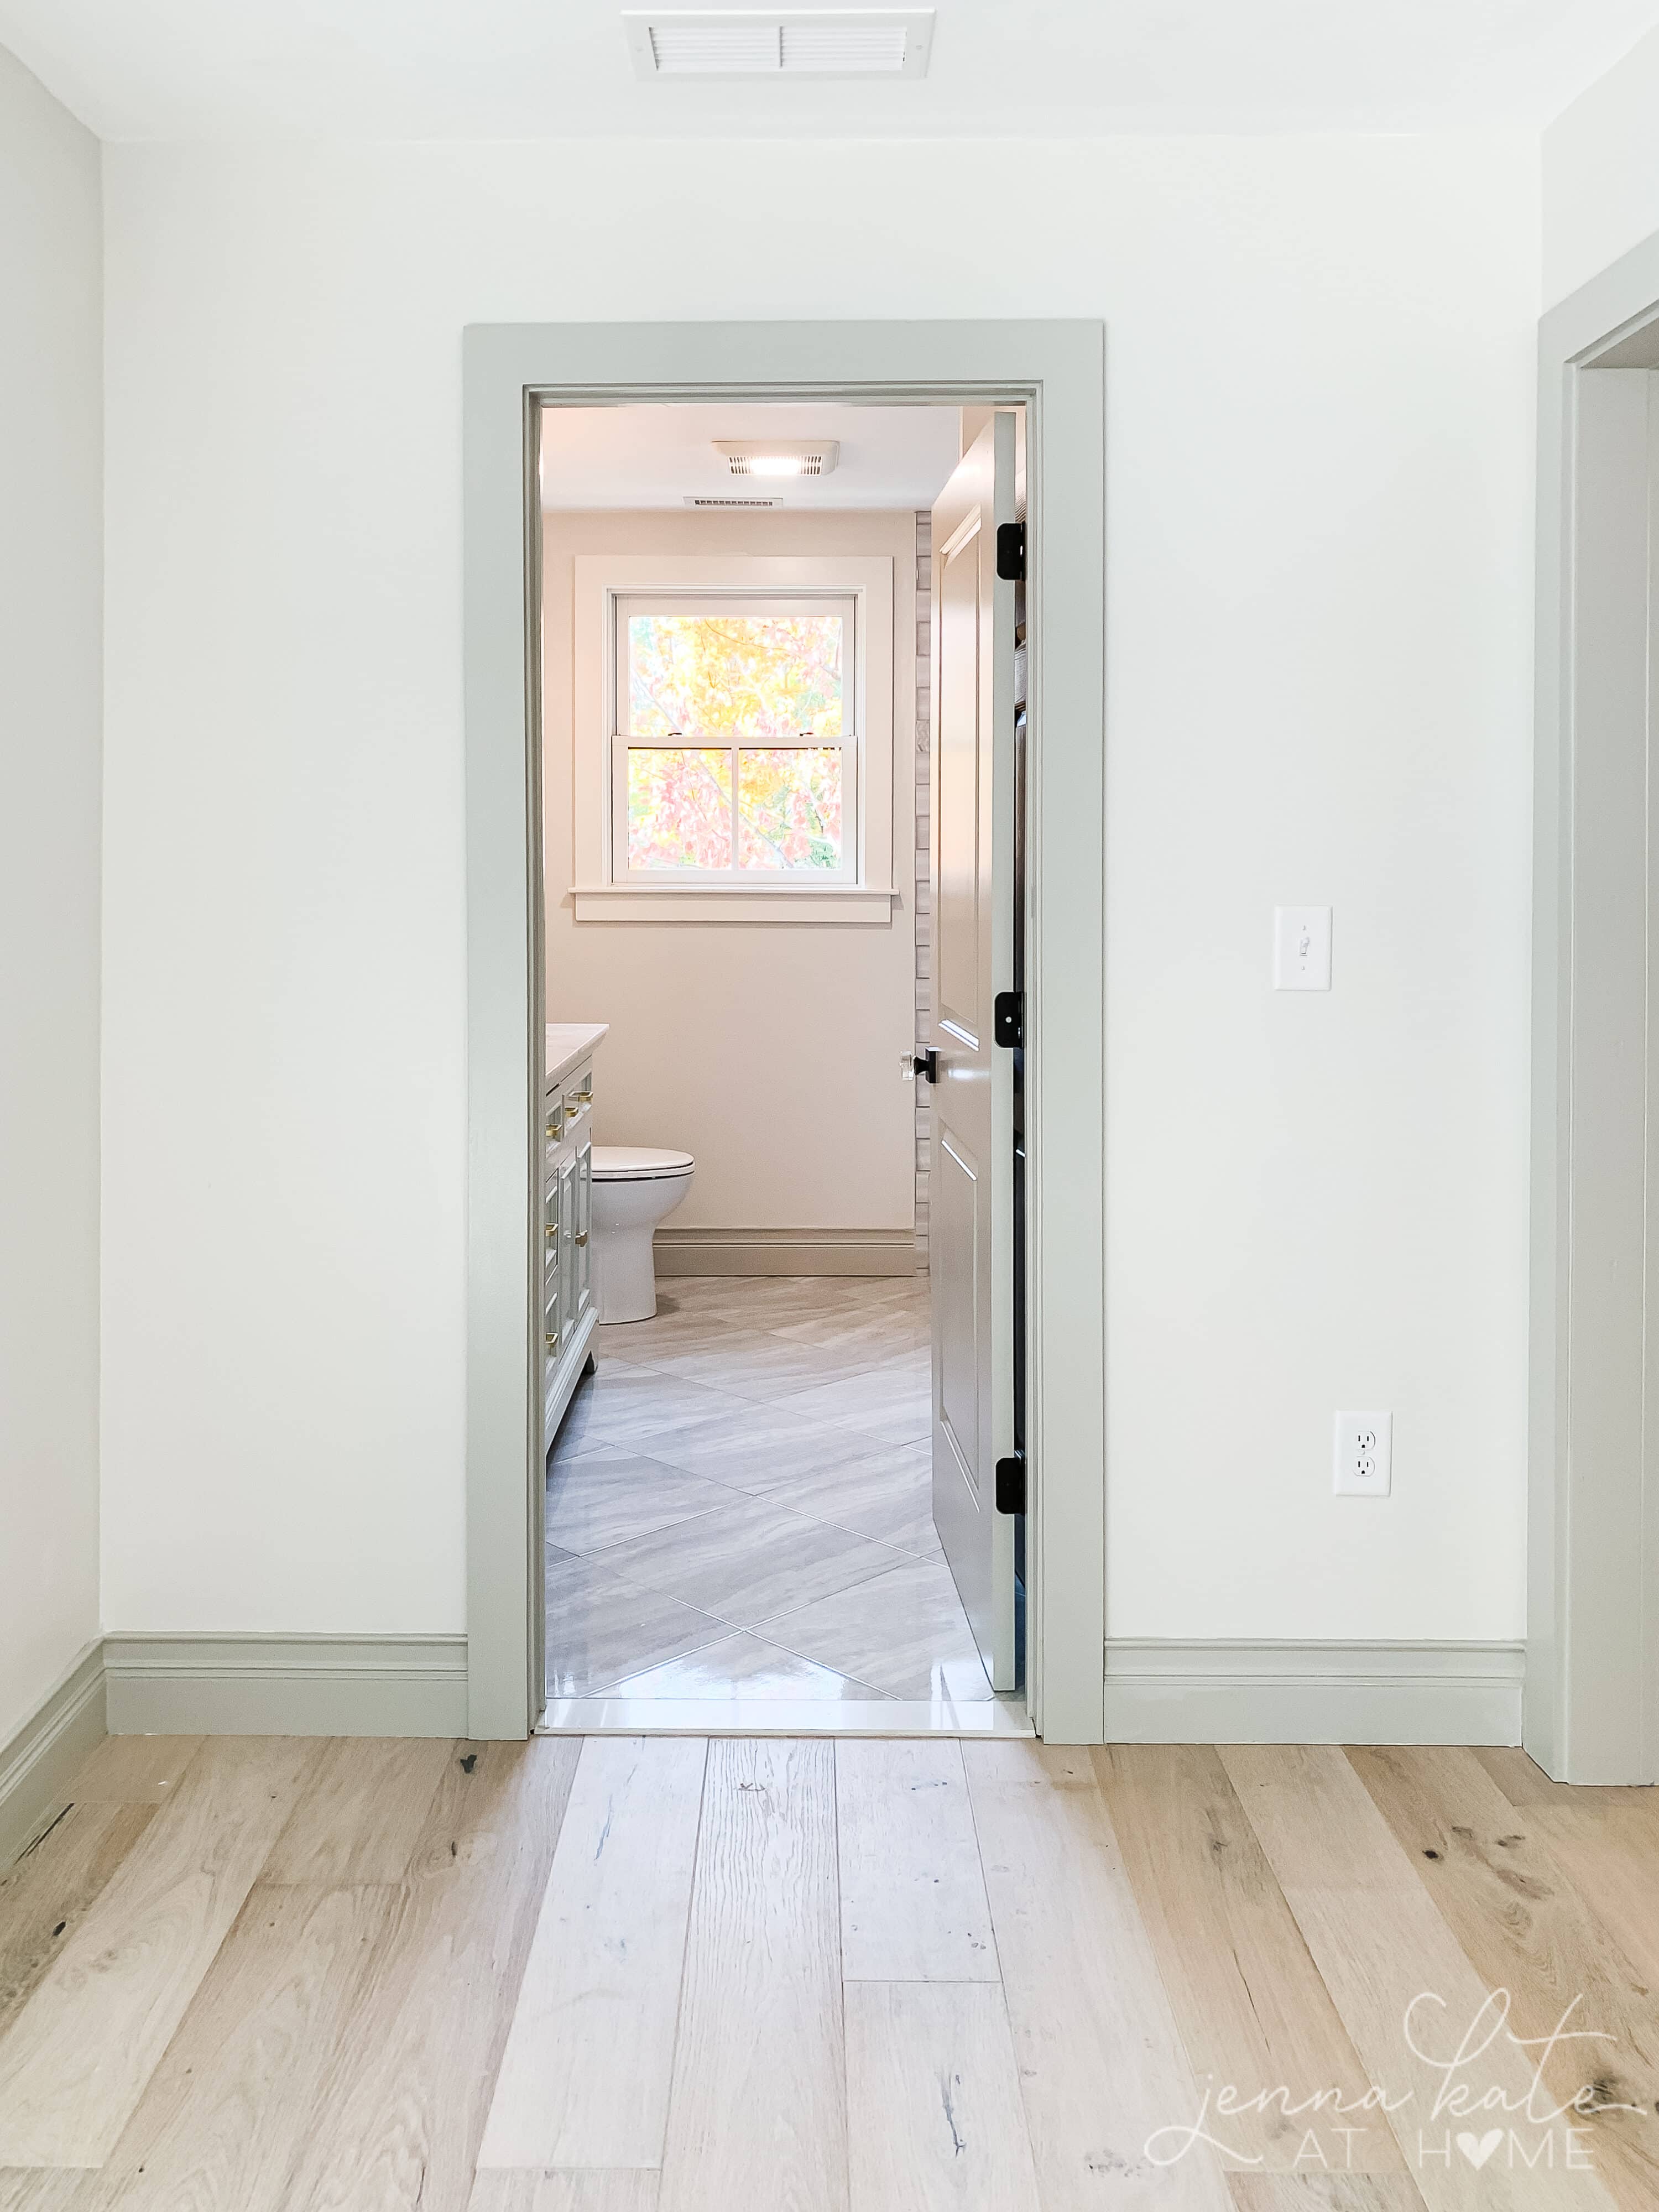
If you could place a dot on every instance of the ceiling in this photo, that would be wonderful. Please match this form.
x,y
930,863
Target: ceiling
x,y
599,457
542,69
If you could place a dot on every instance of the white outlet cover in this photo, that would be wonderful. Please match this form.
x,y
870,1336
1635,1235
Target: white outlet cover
x,y
1364,1454
1302,948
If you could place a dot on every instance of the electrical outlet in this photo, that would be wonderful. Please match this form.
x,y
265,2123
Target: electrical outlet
x,y
1364,1454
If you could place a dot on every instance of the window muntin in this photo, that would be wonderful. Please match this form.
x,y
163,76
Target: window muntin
x,y
735,747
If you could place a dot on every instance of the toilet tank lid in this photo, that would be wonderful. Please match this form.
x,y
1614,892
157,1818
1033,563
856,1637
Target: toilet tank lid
x,y
636,1163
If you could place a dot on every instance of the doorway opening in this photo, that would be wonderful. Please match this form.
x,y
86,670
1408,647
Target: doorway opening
x,y
781,683
1056,372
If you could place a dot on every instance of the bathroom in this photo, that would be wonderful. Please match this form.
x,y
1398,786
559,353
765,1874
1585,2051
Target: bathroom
x,y
735,672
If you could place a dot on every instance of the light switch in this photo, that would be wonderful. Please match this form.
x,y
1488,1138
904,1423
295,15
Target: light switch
x,y
1302,948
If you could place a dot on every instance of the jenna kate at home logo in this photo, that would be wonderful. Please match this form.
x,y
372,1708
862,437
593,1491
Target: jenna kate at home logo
x,y
1477,2098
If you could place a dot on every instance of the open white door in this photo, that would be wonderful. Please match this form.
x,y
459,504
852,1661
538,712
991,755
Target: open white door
x,y
971,1235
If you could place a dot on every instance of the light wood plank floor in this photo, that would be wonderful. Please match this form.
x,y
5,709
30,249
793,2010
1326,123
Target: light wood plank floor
x,y
624,1974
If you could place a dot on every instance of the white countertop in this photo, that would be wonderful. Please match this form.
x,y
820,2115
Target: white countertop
x,y
569,1043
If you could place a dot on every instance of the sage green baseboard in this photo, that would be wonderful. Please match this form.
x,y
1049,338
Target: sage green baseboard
x,y
785,1252
286,1685
37,1763
1267,1692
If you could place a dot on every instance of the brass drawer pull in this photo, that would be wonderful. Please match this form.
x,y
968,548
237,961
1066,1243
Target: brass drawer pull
x,y
581,1237
552,1342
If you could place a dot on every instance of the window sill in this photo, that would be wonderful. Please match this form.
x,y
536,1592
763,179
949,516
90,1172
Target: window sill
x,y
831,903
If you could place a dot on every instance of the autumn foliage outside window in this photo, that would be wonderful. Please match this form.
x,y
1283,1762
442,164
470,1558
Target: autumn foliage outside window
x,y
736,732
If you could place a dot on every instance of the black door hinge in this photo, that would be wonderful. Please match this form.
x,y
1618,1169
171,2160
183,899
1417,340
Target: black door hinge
x,y
1008,1018
927,1064
1010,1483
1010,552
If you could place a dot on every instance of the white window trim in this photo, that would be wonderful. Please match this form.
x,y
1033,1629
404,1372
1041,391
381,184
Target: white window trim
x,y
600,579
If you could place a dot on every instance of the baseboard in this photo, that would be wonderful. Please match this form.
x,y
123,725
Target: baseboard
x,y
785,1252
38,1761
1292,1692
286,1685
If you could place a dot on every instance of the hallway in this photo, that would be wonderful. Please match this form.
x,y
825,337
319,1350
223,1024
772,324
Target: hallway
x,y
678,1975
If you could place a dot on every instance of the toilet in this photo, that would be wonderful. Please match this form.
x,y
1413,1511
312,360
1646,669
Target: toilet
x,y
634,1187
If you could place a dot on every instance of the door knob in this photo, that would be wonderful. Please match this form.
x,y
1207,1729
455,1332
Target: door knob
x,y
927,1064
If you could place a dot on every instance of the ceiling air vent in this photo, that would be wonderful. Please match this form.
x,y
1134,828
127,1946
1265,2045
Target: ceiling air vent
x,y
697,499
758,42
767,457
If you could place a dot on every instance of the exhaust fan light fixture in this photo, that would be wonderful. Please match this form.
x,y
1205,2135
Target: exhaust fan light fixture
x,y
840,42
760,457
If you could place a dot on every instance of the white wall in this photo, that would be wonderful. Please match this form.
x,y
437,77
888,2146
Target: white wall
x,y
1602,173
1320,425
769,1053
51,562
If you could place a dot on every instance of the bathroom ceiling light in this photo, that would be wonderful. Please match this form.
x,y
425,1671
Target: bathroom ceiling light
x,y
794,42
760,457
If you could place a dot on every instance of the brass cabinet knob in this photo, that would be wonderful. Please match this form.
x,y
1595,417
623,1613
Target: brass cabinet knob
x,y
552,1342
581,1237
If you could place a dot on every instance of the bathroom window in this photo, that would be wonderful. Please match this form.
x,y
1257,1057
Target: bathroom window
x,y
735,754
733,737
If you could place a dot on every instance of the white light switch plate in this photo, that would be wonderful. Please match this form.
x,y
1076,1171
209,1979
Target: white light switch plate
x,y
1364,1454
1302,948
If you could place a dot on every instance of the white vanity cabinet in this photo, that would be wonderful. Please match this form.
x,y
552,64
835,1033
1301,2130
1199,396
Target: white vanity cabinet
x,y
567,1315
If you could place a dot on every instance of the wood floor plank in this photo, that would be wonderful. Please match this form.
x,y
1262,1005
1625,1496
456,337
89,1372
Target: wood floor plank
x,y
935,2123
1510,1903
44,1897
361,1812
135,1770
1101,2063
226,2115
1323,2192
399,2110
75,2059
554,2190
584,2080
757,2114
1611,1854
913,1902
1385,1955
1252,2011
1525,1784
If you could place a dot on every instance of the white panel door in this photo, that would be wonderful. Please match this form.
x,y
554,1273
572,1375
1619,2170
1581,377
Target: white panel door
x,y
971,1197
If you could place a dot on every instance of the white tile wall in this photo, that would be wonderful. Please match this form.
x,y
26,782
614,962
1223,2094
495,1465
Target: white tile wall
x,y
924,889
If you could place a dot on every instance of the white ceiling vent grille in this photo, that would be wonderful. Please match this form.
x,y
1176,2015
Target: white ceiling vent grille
x,y
754,42
767,457
697,499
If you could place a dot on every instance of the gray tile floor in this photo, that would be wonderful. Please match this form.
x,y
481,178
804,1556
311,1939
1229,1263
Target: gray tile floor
x,y
737,1502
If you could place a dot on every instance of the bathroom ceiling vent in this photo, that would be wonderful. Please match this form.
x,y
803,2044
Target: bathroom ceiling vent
x,y
697,499
766,457
761,42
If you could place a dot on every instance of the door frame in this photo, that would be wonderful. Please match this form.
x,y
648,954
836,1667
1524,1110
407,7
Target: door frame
x,y
1591,1709
1057,371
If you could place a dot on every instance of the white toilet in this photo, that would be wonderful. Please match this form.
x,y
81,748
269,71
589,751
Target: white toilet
x,y
634,1187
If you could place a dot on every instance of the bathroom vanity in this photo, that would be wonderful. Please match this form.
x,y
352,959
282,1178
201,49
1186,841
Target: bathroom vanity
x,y
567,1314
